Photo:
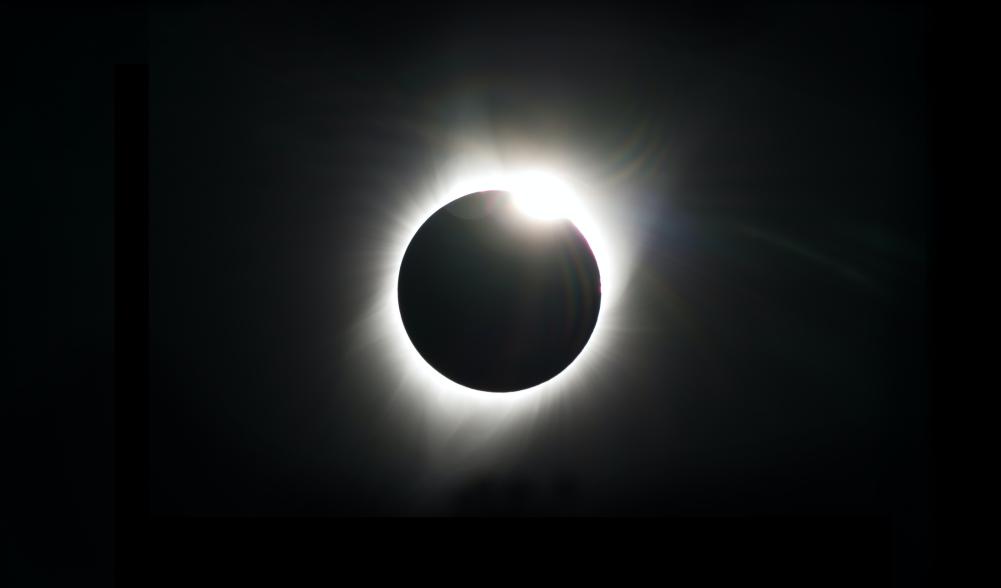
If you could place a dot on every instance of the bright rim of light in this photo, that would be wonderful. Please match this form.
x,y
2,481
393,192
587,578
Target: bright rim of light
x,y
541,195
440,408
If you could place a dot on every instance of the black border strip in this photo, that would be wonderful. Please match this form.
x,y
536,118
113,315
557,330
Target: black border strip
x,y
131,331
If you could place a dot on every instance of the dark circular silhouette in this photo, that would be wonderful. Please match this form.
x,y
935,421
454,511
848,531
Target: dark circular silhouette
x,y
494,299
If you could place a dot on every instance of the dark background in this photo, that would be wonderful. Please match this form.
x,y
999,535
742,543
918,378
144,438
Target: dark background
x,y
793,161
782,169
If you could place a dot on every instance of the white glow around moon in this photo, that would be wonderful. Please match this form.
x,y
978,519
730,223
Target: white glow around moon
x,y
455,420
541,195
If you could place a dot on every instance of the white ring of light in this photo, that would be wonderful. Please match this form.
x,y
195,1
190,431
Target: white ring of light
x,y
457,426
529,188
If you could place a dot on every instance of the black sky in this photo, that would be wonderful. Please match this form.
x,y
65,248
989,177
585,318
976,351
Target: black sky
x,y
782,267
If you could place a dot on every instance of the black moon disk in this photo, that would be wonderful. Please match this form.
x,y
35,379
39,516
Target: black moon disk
x,y
497,300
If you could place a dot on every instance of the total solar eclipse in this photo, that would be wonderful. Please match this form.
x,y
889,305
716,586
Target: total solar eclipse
x,y
496,295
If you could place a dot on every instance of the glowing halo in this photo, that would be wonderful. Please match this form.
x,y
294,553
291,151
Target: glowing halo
x,y
439,409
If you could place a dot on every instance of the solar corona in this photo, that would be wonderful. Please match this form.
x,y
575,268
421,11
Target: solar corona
x,y
499,296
